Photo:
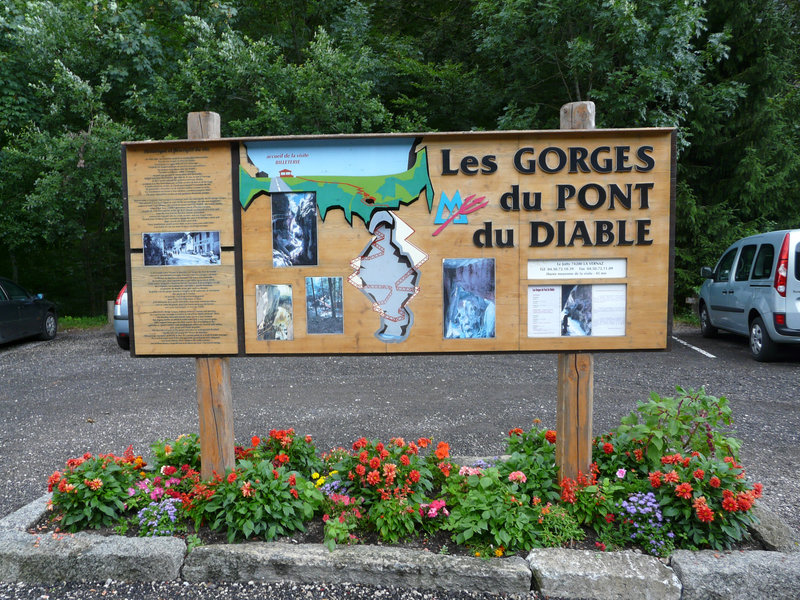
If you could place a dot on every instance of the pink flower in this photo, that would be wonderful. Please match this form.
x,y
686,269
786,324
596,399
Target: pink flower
x,y
517,476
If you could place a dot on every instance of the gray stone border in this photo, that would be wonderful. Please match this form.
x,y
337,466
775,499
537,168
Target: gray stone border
x,y
568,574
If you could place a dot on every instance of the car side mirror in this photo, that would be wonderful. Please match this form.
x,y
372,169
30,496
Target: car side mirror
x,y
39,296
706,273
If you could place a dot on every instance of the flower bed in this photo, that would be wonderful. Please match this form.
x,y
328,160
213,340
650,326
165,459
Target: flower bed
x,y
667,477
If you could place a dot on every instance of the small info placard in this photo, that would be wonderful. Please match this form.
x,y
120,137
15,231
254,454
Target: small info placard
x,y
603,268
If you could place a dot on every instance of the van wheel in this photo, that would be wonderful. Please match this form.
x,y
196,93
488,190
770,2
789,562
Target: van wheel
x,y
761,346
707,330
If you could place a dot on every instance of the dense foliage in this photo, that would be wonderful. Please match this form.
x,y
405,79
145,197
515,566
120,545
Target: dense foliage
x,y
652,487
79,76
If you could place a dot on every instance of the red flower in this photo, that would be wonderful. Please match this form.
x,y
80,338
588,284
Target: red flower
x,y
442,450
282,458
379,447
745,501
655,479
247,489
704,513
672,477
292,480
373,478
359,443
600,546
375,462
445,468
568,490
231,476
758,489
414,476
275,474
729,502
308,439
361,470
683,490
53,480
610,518
423,442
294,493
515,431
699,474
550,436
714,482
404,460
638,454
413,448
255,441
608,448
363,457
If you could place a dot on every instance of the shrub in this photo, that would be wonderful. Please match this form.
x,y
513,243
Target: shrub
x,y
284,449
89,493
486,509
255,500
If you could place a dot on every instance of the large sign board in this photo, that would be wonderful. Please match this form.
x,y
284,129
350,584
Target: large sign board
x,y
465,242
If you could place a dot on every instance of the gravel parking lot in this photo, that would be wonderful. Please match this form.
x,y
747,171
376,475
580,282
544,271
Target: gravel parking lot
x,y
81,393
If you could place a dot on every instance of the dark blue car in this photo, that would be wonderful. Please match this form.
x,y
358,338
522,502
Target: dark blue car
x,y
23,315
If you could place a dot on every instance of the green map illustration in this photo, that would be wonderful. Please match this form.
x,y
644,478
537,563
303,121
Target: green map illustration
x,y
359,195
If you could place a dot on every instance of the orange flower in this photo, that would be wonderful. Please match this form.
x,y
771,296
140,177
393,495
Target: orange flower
x,y
442,450
255,441
550,436
373,478
94,484
423,442
683,490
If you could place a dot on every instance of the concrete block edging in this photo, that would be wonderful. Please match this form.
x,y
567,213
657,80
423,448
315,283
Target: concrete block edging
x,y
565,573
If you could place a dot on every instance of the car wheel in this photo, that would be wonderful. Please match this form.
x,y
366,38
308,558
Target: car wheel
x,y
49,327
124,342
761,346
707,330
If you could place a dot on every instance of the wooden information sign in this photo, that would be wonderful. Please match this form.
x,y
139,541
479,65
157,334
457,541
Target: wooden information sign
x,y
558,241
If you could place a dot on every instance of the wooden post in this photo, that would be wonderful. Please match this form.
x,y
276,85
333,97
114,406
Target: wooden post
x,y
212,373
575,369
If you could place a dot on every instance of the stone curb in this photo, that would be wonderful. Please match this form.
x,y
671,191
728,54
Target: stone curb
x,y
568,574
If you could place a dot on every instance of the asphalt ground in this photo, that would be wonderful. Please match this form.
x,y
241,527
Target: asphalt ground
x,y
80,392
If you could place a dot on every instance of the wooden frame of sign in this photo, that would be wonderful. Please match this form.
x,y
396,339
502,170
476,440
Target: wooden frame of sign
x,y
556,241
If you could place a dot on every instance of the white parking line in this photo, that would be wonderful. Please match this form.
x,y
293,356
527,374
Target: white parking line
x,y
700,350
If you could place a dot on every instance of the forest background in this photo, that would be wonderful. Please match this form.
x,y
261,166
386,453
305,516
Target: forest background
x,y
77,77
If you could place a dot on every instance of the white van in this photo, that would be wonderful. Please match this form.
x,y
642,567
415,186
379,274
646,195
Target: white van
x,y
755,290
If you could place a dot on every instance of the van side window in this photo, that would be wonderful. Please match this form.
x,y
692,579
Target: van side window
x,y
745,262
723,272
763,267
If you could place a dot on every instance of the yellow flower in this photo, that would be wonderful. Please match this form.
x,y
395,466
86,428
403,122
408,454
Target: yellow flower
x,y
499,552
477,554
315,475
320,481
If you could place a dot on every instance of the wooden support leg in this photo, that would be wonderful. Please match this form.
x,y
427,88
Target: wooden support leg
x,y
574,414
215,406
